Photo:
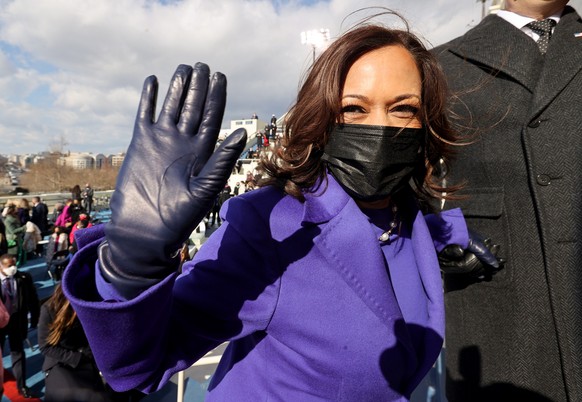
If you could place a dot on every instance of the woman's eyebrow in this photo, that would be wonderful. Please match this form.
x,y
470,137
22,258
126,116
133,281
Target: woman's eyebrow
x,y
395,99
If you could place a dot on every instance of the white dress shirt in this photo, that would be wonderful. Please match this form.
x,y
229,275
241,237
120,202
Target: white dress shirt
x,y
520,22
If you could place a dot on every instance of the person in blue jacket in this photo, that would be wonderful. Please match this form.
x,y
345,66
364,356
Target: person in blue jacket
x,y
326,280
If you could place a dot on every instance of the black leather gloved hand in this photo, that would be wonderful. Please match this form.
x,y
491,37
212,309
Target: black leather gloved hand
x,y
169,178
478,260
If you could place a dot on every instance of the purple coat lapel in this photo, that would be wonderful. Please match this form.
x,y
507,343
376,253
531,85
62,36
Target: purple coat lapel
x,y
352,259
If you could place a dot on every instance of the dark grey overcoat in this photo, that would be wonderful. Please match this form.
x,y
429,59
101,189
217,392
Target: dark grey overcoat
x,y
519,335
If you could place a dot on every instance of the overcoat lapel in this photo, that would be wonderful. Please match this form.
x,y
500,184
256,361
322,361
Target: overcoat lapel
x,y
562,61
486,44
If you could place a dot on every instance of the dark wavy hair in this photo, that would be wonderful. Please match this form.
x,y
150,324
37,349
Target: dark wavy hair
x,y
65,316
295,166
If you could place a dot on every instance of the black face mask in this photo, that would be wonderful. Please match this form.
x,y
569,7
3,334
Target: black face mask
x,y
373,162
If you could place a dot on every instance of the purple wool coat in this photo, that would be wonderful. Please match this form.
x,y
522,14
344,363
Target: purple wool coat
x,y
314,308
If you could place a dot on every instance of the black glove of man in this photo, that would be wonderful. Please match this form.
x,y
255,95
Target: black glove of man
x,y
478,260
169,178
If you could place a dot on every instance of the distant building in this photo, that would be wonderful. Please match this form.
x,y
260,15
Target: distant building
x,y
101,161
16,159
77,160
84,160
116,160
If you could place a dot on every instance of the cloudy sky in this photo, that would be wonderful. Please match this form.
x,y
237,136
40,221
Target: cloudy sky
x,y
73,69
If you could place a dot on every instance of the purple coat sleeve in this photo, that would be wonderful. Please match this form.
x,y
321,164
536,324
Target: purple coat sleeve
x,y
142,342
448,227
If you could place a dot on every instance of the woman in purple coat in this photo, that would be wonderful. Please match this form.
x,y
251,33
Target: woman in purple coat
x,y
325,281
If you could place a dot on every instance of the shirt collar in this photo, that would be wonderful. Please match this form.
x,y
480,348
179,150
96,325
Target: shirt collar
x,y
520,21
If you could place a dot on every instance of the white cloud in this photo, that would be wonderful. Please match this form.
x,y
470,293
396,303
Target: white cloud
x,y
76,67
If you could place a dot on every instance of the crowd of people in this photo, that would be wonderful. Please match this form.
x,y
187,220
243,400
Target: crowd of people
x,y
24,225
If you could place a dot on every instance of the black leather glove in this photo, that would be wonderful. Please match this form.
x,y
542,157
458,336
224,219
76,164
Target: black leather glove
x,y
478,260
169,178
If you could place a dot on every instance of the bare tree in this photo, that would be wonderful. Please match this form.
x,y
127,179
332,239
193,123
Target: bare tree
x,y
47,175
58,145
50,176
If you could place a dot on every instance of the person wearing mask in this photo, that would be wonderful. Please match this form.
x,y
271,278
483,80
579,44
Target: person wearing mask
x,y
325,281
517,77
21,300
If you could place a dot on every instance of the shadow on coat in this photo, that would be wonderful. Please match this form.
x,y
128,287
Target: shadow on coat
x,y
470,388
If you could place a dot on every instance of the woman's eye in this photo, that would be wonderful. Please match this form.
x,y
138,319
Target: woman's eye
x,y
352,109
407,110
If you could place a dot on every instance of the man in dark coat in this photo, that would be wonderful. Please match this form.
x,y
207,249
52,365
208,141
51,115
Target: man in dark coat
x,y
87,196
40,215
518,334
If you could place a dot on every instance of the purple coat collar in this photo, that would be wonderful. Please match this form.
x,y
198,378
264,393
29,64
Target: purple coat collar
x,y
326,202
